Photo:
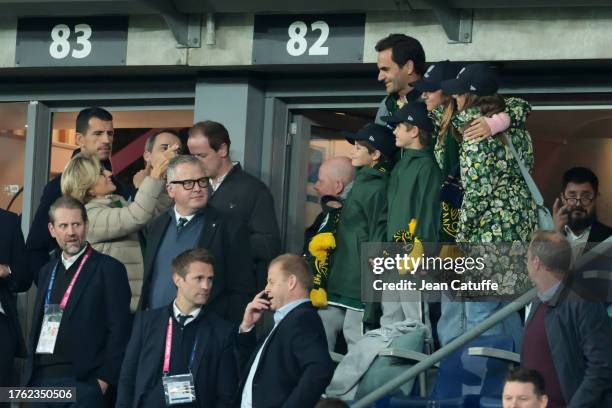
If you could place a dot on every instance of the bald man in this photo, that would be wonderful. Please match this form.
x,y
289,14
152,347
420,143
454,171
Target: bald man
x,y
335,179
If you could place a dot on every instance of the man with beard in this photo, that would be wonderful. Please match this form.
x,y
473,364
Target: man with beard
x,y
575,212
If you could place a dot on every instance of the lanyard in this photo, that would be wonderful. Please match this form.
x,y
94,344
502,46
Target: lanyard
x,y
72,282
168,348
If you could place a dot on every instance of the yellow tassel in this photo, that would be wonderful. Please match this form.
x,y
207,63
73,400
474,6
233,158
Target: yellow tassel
x,y
320,244
318,297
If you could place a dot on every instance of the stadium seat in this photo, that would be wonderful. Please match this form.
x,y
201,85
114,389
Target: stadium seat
x,y
478,369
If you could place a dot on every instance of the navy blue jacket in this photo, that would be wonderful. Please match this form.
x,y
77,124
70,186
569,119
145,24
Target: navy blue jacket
x,y
12,253
215,367
294,368
96,321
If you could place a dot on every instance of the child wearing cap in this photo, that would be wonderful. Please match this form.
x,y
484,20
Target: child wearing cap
x,y
362,219
497,206
411,198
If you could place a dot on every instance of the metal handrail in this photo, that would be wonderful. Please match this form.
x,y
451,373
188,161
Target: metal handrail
x,y
451,347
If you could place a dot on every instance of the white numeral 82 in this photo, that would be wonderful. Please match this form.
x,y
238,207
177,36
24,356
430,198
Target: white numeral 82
x,y
60,47
297,44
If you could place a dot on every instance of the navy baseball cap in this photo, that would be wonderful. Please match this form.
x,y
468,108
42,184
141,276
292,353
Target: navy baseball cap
x,y
478,79
414,113
436,73
380,137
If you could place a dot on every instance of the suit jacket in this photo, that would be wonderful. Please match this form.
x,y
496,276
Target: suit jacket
x,y
234,282
215,367
248,199
579,333
12,253
40,243
599,232
294,368
96,321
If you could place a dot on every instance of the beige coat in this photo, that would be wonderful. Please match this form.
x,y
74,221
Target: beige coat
x,y
113,228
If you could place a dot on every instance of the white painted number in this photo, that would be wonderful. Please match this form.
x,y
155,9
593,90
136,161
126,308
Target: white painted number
x,y
317,48
297,44
60,47
82,40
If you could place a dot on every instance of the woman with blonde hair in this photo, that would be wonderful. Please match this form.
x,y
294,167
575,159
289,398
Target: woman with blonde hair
x,y
113,222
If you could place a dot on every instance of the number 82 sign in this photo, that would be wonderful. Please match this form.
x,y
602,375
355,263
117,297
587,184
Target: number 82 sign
x,y
71,41
308,39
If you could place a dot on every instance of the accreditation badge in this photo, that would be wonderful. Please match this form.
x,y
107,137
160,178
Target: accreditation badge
x,y
49,329
179,389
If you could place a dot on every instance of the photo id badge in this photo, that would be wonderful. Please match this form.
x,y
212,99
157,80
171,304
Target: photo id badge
x,y
179,389
49,329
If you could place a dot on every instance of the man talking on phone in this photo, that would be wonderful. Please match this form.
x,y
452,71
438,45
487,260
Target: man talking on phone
x,y
290,367
575,211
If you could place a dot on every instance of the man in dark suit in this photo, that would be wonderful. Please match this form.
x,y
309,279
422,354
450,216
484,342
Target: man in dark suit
x,y
94,135
14,278
236,193
201,344
575,212
291,367
81,319
189,224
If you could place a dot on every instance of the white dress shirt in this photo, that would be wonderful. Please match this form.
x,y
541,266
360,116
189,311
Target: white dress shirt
x,y
193,313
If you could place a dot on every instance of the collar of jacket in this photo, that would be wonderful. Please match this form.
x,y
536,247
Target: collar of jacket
x,y
106,163
391,99
561,292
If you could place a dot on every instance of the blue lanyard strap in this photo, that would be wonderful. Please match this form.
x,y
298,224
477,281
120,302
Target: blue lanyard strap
x,y
51,282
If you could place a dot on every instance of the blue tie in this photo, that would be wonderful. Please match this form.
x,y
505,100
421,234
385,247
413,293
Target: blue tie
x,y
181,223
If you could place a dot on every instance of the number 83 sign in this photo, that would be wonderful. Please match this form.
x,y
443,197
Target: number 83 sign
x,y
71,41
308,39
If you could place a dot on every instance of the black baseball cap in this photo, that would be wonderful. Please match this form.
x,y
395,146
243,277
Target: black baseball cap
x,y
380,137
478,79
435,74
414,113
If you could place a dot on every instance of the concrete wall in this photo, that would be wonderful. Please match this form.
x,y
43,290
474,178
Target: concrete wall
x,y
498,34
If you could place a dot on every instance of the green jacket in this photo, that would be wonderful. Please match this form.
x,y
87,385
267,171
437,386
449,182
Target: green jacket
x,y
413,192
363,219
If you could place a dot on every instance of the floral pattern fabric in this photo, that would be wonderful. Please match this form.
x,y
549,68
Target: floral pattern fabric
x,y
497,205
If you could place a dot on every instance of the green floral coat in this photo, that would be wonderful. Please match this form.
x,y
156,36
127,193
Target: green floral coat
x,y
497,205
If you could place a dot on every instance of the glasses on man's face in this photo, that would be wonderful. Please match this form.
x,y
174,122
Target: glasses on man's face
x,y
584,200
190,184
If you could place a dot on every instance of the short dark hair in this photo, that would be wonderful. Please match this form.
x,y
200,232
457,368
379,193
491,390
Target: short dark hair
x,y
69,203
215,132
151,139
82,120
528,375
580,175
404,48
180,264
553,250
292,264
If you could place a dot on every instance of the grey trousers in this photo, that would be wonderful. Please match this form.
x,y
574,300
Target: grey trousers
x,y
338,320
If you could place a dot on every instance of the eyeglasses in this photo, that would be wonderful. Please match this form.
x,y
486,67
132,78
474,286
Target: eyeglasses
x,y
585,200
190,184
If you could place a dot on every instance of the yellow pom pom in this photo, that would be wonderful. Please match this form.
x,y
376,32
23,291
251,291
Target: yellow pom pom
x,y
320,244
318,297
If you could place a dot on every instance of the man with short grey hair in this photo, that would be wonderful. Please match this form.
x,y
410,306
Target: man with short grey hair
x,y
189,224
162,142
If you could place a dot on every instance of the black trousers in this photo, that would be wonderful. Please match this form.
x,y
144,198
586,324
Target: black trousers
x,y
8,349
88,393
